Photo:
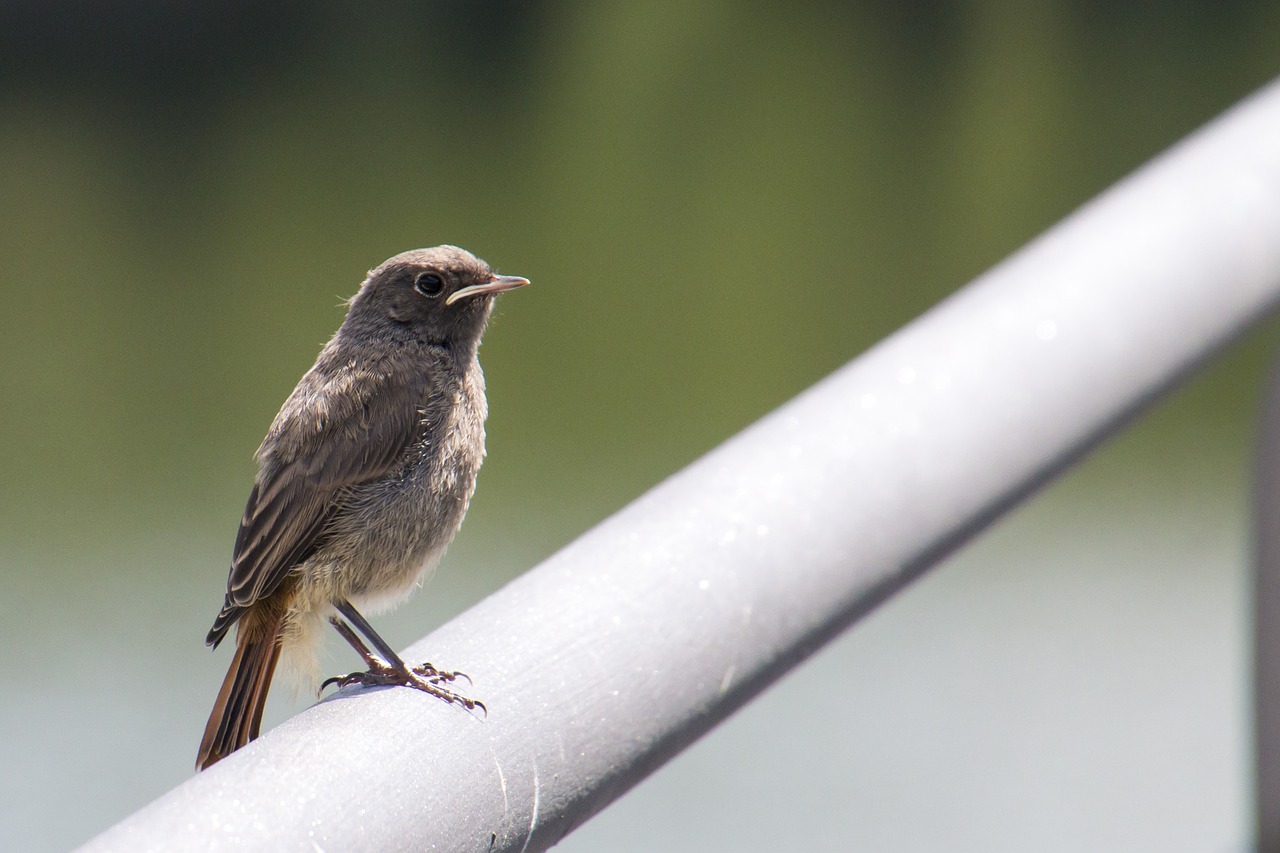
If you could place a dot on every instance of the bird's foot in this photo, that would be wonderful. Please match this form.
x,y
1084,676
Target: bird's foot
x,y
426,678
435,676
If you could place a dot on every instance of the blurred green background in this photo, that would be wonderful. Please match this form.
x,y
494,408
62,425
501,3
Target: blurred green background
x,y
719,203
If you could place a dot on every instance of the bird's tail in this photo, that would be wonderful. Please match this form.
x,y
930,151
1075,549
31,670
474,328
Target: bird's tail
x,y
237,713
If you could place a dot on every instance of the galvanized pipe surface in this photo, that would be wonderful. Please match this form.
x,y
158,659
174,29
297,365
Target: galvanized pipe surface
x,y
606,660
1266,621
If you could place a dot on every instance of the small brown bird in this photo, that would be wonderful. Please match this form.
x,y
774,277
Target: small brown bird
x,y
363,480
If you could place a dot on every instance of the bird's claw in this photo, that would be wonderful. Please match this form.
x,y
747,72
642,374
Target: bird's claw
x,y
435,676
426,678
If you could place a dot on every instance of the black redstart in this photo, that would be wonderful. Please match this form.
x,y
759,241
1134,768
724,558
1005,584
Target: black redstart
x,y
363,479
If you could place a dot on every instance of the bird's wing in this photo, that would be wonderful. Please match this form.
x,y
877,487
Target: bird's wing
x,y
332,434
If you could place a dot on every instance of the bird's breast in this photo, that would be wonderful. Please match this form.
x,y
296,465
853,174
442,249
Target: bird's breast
x,y
392,531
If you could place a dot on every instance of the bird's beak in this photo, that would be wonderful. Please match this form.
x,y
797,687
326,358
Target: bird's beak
x,y
497,284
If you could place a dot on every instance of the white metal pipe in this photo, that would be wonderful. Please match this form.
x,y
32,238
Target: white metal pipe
x,y
606,660
1266,622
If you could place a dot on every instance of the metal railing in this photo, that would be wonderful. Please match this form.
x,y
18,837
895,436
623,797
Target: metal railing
x,y
616,653
1266,603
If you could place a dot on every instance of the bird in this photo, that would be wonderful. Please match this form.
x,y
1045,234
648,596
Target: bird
x,y
363,480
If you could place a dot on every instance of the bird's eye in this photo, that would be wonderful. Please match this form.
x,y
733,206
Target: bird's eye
x,y
429,284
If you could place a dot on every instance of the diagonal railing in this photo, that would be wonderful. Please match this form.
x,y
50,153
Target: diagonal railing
x,y
616,653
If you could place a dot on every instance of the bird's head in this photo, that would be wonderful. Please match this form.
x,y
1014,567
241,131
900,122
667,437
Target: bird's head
x,y
444,294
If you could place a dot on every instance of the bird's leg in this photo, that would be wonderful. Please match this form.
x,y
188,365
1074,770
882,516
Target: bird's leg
x,y
378,668
390,669
388,654
370,659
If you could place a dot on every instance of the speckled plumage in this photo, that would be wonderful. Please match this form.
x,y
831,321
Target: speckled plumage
x,y
364,476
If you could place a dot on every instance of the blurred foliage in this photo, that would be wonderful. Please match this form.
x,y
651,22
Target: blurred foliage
x,y
718,202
